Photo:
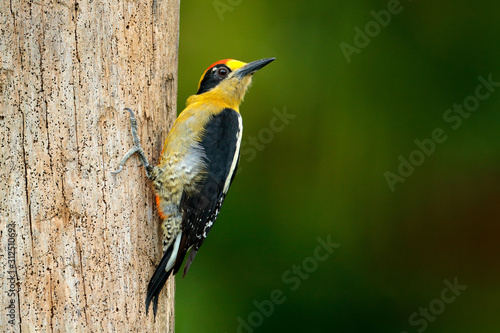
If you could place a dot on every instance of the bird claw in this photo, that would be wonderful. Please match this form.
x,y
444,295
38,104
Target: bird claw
x,y
120,168
131,152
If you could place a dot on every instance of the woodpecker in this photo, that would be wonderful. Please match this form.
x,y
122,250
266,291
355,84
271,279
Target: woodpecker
x,y
197,165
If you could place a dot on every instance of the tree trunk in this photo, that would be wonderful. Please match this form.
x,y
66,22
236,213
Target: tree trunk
x,y
78,244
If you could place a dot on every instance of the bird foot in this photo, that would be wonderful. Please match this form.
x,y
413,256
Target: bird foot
x,y
137,149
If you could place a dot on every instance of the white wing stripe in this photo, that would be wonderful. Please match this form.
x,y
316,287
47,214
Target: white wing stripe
x,y
236,154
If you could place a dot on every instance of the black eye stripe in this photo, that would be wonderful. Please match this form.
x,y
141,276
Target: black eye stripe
x,y
213,77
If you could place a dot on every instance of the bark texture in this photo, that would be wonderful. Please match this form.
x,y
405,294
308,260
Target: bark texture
x,y
77,244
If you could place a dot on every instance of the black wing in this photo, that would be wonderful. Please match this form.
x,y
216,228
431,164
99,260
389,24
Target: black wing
x,y
221,144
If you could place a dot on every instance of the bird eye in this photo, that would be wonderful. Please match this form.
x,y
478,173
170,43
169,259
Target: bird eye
x,y
222,72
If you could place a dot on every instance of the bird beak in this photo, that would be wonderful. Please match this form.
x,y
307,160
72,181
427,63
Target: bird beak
x,y
252,67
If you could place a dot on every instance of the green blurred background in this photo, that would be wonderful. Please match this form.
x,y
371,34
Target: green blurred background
x,y
322,173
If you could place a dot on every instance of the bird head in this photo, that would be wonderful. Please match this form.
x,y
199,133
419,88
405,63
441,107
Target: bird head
x,y
228,80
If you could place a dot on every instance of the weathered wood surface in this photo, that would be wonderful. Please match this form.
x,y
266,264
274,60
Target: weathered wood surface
x,y
77,244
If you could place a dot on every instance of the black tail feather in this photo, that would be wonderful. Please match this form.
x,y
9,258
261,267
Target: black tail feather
x,y
157,282
189,261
